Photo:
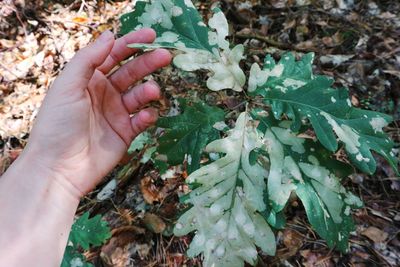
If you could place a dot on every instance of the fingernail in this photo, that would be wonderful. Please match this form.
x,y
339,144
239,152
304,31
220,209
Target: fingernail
x,y
105,36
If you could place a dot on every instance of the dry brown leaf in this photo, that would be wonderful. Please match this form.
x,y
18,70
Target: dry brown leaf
x,y
313,259
150,192
80,19
117,251
355,101
154,223
375,234
292,240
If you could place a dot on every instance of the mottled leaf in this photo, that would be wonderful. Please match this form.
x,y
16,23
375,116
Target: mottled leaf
x,y
139,142
227,202
307,169
291,89
179,26
187,134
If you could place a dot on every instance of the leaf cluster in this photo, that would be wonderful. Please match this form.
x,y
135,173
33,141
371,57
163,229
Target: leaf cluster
x,y
239,196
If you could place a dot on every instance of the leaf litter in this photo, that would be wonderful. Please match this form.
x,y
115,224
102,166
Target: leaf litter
x,y
355,41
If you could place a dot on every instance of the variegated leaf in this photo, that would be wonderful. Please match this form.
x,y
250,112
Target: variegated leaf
x,y
291,89
179,26
227,203
306,168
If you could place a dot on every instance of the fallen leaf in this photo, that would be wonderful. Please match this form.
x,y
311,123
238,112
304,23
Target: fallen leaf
x,y
312,259
150,192
292,239
335,59
117,251
154,223
355,101
80,19
107,190
375,234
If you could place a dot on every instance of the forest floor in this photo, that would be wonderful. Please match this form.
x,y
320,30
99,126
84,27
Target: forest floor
x,y
357,42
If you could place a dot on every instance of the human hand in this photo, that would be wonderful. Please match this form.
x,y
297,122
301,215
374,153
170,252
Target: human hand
x,y
84,126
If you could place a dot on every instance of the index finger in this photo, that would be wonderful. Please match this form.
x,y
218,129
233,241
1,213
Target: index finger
x,y
121,51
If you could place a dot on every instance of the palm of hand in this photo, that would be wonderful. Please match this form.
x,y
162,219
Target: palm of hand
x,y
84,125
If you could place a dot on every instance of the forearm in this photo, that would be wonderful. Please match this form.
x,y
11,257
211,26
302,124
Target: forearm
x,y
36,210
86,124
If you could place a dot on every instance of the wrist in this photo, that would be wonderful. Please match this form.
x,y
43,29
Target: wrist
x,y
34,202
48,168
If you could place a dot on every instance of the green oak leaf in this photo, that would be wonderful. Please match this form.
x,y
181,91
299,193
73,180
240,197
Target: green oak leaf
x,y
307,169
86,232
179,26
187,134
291,89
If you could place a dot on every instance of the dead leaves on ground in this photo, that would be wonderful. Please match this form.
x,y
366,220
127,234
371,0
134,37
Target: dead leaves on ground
x,y
47,35
355,41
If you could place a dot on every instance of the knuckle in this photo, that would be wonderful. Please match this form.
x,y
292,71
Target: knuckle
x,y
147,62
114,58
130,70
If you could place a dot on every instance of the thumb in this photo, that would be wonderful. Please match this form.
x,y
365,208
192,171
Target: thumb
x,y
83,65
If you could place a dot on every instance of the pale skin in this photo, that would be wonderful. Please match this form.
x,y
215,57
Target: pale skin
x,y
82,131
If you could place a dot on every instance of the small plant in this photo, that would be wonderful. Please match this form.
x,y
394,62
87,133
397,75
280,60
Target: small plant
x,y
239,196
85,233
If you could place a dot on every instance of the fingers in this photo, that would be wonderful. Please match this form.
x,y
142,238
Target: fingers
x,y
141,95
138,68
80,69
120,51
144,119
